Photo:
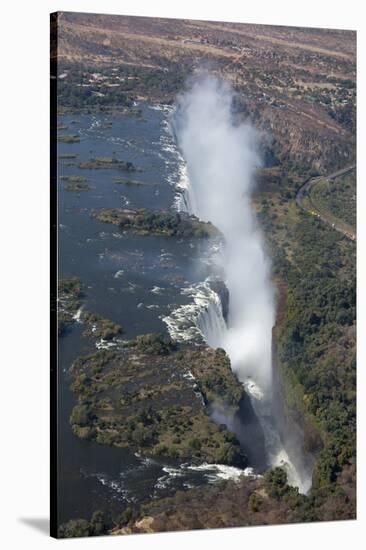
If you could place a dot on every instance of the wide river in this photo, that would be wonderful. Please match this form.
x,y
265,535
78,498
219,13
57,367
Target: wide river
x,y
134,281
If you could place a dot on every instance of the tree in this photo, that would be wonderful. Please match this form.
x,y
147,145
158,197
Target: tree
x,y
277,481
75,528
80,415
97,523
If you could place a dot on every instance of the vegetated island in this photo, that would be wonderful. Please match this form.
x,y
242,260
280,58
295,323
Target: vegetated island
x,y
63,156
161,222
151,395
69,301
70,309
68,138
76,183
113,163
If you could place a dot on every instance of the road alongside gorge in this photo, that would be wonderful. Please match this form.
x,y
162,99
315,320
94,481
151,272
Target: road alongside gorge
x,y
304,192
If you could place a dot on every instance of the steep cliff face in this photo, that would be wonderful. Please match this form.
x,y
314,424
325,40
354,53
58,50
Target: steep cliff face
x,y
300,438
307,137
315,344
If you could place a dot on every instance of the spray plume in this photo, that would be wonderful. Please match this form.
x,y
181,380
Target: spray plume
x,y
221,159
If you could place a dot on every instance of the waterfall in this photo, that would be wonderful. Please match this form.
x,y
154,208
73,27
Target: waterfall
x,y
210,321
217,165
200,320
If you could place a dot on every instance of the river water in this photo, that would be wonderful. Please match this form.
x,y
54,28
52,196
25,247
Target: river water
x,y
144,283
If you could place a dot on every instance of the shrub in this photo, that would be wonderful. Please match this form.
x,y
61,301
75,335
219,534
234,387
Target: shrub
x,y
155,344
75,528
80,415
255,502
97,523
276,479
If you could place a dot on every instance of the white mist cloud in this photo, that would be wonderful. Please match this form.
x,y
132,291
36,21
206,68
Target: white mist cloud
x,y
221,158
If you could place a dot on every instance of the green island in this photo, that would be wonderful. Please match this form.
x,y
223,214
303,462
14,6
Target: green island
x,y
96,163
68,138
71,295
148,222
74,179
76,183
65,156
99,327
70,299
152,395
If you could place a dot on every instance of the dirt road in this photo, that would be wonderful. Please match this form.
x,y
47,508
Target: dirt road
x,y
305,190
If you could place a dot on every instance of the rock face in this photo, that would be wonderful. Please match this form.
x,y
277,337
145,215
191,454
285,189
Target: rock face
x,y
305,136
150,395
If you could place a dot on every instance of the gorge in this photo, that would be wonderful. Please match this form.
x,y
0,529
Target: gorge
x,y
220,157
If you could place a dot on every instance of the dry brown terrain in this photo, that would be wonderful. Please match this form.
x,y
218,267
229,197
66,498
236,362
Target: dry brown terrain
x,y
297,84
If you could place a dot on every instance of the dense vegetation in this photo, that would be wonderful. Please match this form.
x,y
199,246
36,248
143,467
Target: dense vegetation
x,y
83,528
76,93
316,338
141,395
161,222
96,87
318,341
154,344
99,327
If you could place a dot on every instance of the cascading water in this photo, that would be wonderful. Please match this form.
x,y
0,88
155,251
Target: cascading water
x,y
201,319
216,183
